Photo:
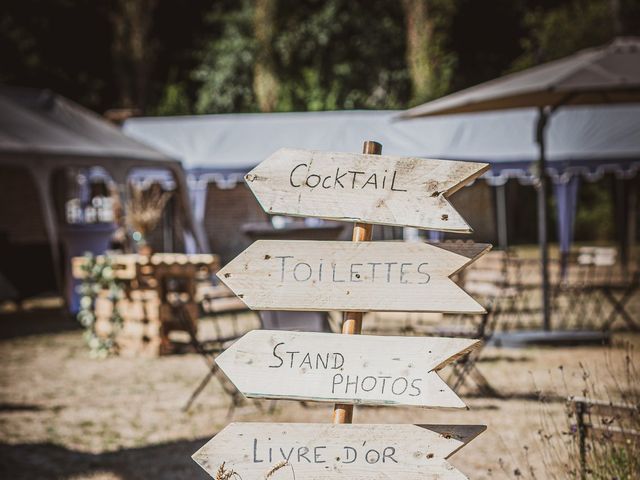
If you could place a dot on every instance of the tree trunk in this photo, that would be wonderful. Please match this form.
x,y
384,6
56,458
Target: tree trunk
x,y
133,50
265,81
419,35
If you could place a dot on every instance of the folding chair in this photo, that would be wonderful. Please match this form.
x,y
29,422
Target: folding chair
x,y
487,279
208,352
619,304
216,302
465,369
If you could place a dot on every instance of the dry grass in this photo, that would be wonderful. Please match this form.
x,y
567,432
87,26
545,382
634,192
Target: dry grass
x,y
223,473
66,416
605,458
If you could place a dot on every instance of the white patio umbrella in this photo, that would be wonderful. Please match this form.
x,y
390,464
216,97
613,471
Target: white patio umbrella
x,y
603,75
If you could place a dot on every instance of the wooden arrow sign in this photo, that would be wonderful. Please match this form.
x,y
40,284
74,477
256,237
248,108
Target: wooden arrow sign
x,y
380,276
363,188
279,451
325,367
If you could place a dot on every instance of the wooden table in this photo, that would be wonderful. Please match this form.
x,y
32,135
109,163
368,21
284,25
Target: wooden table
x,y
153,287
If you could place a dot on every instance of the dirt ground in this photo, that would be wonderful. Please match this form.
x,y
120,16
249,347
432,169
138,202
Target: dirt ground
x,y
64,415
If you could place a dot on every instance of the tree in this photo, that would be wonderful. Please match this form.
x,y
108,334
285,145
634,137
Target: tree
x,y
419,34
485,38
579,24
225,72
314,55
173,101
133,50
341,54
40,48
265,78
430,67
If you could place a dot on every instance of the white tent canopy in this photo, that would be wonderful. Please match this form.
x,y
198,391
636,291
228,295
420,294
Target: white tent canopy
x,y
40,122
43,132
587,140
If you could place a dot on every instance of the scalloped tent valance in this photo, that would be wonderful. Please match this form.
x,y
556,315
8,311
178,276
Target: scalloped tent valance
x,y
587,141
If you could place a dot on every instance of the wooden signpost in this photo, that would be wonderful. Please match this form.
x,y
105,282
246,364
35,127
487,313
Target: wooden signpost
x,y
359,369
348,276
355,277
385,190
324,451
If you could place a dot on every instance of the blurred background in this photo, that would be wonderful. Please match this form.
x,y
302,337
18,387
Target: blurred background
x,y
127,126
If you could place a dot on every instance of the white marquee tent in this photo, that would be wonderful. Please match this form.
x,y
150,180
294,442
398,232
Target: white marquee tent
x,y
43,132
585,141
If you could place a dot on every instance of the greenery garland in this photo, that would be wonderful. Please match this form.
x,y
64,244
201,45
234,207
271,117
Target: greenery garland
x,y
99,277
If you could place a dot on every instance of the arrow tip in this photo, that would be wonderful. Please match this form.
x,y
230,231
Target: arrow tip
x,y
458,435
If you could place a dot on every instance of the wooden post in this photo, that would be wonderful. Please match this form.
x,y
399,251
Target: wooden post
x,y
501,216
352,325
582,434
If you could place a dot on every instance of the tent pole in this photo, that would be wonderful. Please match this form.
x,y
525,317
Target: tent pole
x,y
543,118
119,177
42,177
621,215
501,214
194,226
632,215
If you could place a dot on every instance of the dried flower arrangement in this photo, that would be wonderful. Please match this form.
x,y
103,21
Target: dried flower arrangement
x,y
144,210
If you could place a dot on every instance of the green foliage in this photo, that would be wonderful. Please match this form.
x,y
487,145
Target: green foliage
x,y
99,278
612,451
174,101
341,54
564,30
226,69
595,215
608,458
613,461
328,55
57,44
